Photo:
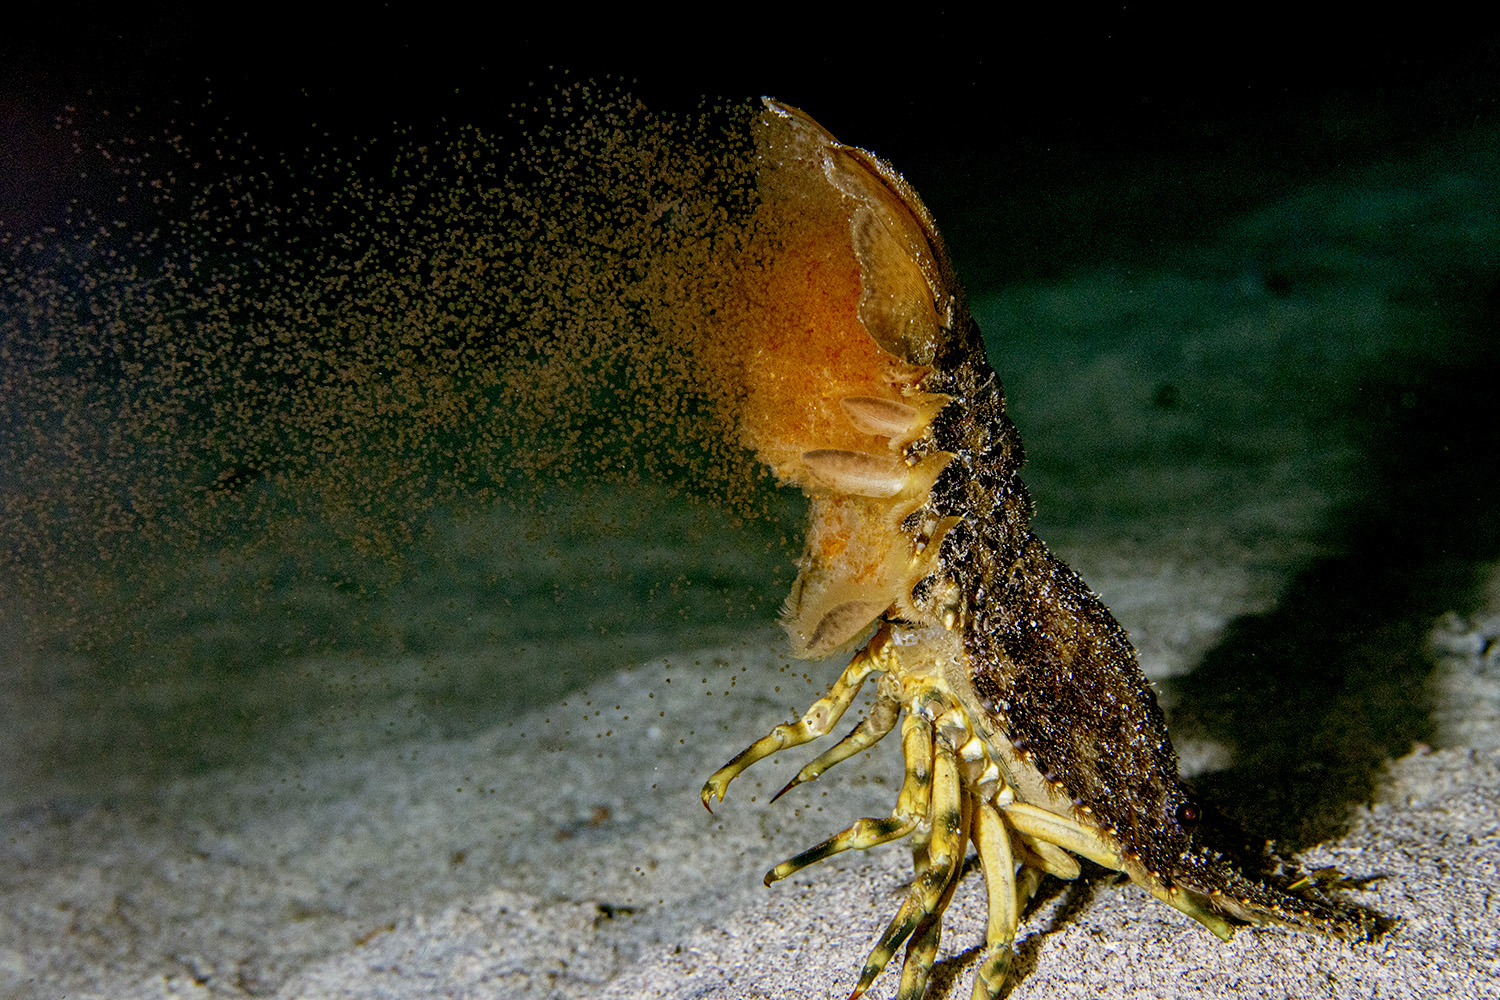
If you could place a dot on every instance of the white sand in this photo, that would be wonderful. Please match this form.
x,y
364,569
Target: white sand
x,y
342,876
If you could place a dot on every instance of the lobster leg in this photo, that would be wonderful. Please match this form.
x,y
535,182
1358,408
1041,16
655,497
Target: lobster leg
x,y
911,806
995,856
871,730
945,852
815,722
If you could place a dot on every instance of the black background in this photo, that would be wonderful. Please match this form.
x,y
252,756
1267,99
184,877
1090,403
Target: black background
x,y
1168,123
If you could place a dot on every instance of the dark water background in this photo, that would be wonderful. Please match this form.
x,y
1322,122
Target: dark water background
x,y
1089,179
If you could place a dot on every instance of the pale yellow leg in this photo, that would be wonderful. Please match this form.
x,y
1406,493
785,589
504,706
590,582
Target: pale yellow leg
x,y
993,841
816,722
911,806
1184,901
922,951
871,730
1028,881
864,834
915,798
1038,823
1050,858
944,853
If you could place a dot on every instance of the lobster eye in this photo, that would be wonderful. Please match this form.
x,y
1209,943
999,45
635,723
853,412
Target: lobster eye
x,y
1187,813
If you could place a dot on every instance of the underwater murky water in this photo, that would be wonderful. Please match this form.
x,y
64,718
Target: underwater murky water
x,y
398,440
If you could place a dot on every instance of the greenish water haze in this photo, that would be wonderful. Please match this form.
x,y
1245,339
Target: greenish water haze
x,y
202,658
395,435
370,466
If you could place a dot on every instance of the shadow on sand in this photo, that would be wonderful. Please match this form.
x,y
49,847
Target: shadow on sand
x,y
1312,697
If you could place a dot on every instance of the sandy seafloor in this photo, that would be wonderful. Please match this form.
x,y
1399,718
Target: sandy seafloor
x,y
1273,457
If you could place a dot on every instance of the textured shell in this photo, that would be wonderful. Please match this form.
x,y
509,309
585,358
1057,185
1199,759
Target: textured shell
x,y
919,519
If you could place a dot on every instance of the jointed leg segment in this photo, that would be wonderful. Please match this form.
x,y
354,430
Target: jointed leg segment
x,y
871,730
1045,857
815,722
921,952
1048,827
1017,842
911,806
945,851
993,841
